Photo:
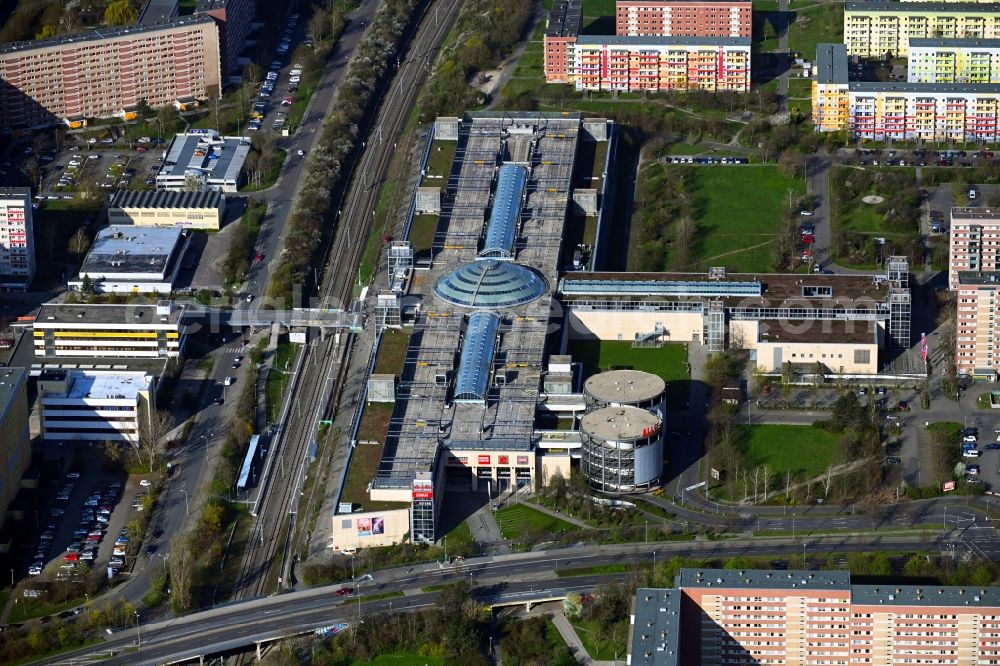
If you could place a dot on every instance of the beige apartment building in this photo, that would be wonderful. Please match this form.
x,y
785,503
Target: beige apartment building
x,y
877,28
974,242
99,73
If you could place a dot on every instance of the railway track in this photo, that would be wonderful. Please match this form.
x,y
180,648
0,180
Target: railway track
x,y
313,396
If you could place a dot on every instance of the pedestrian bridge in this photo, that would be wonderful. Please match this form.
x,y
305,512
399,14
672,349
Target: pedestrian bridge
x,y
322,318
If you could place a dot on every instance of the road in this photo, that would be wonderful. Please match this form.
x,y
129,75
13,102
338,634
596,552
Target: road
x,y
231,626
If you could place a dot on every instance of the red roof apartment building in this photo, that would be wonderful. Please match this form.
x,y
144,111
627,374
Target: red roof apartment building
x,y
99,73
683,18
728,617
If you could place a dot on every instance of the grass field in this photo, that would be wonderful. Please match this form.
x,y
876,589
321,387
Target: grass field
x,y
669,362
277,378
515,521
439,159
392,351
595,640
422,233
804,450
729,232
366,457
818,24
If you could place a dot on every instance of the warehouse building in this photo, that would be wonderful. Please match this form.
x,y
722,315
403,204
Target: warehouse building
x,y
132,260
109,331
99,73
166,208
731,617
884,28
15,454
17,238
95,405
885,110
203,160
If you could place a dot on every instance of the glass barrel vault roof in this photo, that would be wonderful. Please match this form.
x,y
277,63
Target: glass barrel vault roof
x,y
488,283
506,211
477,357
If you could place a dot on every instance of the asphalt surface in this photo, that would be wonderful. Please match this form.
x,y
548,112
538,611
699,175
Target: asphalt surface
x,y
507,577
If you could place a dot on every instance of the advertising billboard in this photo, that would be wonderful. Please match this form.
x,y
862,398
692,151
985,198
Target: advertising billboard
x,y
370,526
504,460
484,460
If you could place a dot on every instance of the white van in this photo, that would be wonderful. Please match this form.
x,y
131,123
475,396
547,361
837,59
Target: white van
x,y
229,381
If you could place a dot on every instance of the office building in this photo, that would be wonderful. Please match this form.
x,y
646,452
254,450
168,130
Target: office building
x,y
884,28
99,73
15,445
683,18
953,61
133,260
203,160
109,331
841,322
95,405
560,34
233,18
886,110
729,617
17,238
168,208
661,63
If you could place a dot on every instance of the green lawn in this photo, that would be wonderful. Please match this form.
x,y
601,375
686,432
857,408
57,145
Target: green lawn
x,y
669,362
515,521
422,233
595,639
950,428
366,457
460,535
392,351
439,160
27,608
805,450
731,233
271,178
819,24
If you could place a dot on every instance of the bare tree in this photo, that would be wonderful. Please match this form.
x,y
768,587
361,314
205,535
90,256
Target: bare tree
x,y
827,481
78,245
756,482
788,484
767,477
152,436
181,572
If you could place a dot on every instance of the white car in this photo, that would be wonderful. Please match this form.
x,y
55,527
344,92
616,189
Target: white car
x,y
92,140
34,571
294,79
972,453
969,438
229,381
301,153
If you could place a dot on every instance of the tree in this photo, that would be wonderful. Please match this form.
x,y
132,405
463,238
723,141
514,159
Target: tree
x,y
78,245
181,574
142,109
170,118
87,285
121,12
153,433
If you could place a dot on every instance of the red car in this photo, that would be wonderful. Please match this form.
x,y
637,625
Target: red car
x,y
71,557
260,257
345,591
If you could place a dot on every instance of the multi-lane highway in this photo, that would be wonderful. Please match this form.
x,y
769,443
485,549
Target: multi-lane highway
x,y
230,627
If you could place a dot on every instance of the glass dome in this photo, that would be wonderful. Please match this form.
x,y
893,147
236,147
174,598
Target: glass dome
x,y
488,283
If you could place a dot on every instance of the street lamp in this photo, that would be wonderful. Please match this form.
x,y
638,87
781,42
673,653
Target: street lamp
x,y
186,507
138,636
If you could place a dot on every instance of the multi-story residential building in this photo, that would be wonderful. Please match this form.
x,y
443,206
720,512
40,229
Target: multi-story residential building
x,y
953,61
560,35
17,238
100,73
683,18
885,110
661,63
233,18
974,242
125,259
15,453
726,617
880,28
95,405
109,331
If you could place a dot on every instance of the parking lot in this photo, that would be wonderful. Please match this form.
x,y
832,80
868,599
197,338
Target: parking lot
x,y
85,524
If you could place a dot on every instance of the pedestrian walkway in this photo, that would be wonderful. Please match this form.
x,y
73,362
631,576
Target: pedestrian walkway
x,y
555,514
572,639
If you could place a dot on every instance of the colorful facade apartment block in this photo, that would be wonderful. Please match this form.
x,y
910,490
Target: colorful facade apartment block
x,y
685,45
880,111
98,74
684,18
17,238
877,28
727,617
662,63
954,61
